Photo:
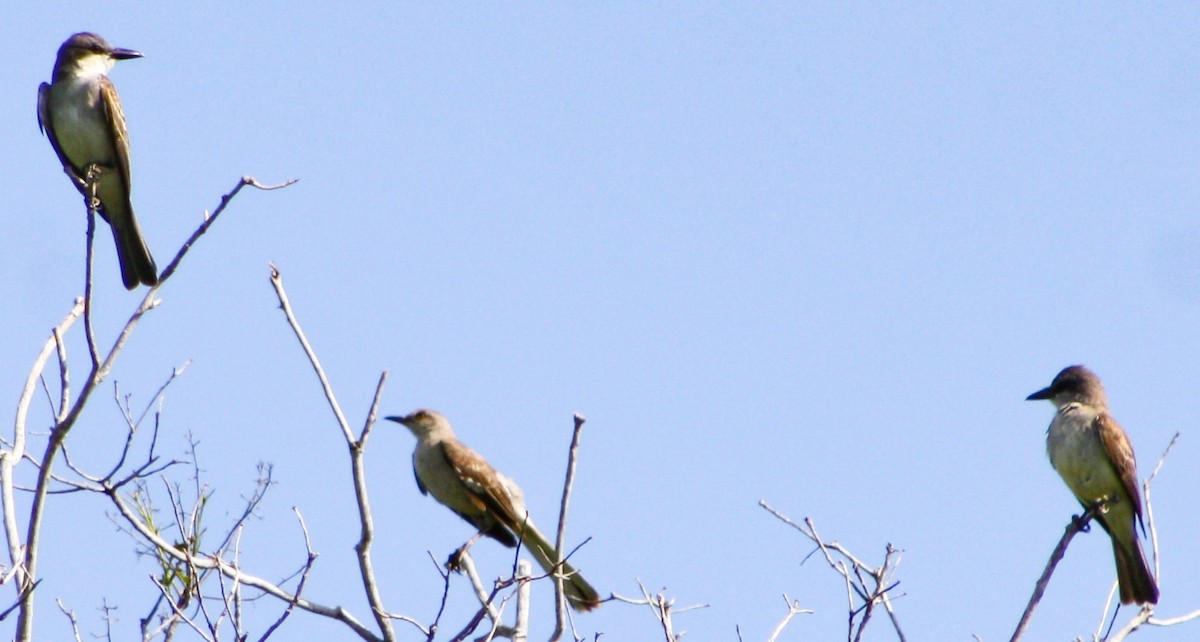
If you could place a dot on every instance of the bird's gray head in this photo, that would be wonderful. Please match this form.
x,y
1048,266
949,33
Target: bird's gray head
x,y
1075,384
88,53
424,423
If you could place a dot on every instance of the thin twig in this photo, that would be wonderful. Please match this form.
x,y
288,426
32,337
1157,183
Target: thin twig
x,y
178,612
231,571
855,577
312,558
467,565
1146,485
286,305
64,376
662,607
432,629
521,628
98,373
1076,525
1146,614
560,596
357,449
794,609
10,458
71,617
92,200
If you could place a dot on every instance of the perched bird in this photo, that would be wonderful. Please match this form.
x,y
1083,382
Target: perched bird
x,y
81,114
1092,453
463,481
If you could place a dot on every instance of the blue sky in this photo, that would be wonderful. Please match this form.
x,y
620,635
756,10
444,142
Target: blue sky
x,y
812,254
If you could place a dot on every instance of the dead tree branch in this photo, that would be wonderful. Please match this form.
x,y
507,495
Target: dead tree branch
x,y
866,586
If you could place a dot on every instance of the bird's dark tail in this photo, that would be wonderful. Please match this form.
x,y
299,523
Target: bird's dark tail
x,y
1133,574
137,266
580,595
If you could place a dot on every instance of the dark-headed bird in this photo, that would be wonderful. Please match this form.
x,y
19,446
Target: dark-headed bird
x,y
1093,455
81,114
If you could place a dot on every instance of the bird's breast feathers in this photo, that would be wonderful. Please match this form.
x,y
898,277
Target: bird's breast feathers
x,y
79,125
1078,454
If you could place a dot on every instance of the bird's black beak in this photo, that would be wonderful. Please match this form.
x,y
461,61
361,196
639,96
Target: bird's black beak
x,y
1044,393
396,419
125,54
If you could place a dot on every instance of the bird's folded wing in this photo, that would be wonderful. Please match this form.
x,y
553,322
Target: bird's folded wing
x,y
47,127
116,125
1120,455
417,476
484,483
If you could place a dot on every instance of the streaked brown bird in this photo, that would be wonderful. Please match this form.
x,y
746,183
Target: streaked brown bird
x,y
463,481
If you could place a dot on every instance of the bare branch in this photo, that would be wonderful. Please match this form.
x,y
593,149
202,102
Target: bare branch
x,y
98,373
431,630
794,609
876,591
357,449
1172,621
1076,525
10,458
70,616
521,628
20,598
467,565
366,520
66,418
231,571
1146,486
93,201
286,305
1146,614
64,374
312,557
178,613
662,607
209,220
560,597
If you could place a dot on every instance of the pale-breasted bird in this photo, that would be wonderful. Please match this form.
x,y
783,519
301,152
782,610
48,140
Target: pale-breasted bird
x,y
1093,455
81,114
463,481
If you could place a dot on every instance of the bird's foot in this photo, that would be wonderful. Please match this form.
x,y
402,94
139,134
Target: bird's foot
x,y
454,562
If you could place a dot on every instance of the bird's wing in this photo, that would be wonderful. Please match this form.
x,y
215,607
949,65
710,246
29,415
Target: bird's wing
x,y
420,486
116,120
46,125
43,102
1120,455
485,485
